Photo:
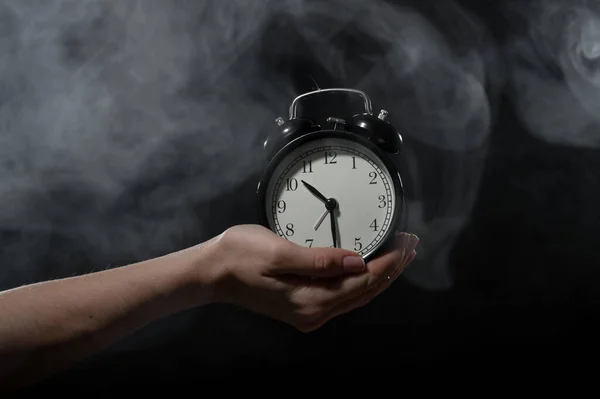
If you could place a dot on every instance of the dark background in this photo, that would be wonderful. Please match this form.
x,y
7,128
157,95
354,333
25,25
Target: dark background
x,y
525,265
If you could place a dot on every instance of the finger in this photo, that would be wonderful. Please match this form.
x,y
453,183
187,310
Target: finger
x,y
330,293
412,241
410,259
316,262
409,241
409,256
340,290
366,297
404,240
401,268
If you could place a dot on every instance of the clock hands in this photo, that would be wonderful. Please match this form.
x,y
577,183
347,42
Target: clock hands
x,y
333,227
315,191
321,219
330,206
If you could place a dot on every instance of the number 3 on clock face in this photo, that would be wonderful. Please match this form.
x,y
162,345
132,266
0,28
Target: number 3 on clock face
x,y
307,178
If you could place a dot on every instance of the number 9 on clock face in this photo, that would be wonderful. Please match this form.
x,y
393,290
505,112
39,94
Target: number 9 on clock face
x,y
332,189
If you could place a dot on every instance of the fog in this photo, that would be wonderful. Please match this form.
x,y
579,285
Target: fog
x,y
554,54
116,119
119,121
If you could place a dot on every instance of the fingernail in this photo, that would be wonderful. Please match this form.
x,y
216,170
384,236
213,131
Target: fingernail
x,y
414,240
354,263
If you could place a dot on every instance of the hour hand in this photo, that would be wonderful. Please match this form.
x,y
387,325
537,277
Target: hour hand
x,y
314,191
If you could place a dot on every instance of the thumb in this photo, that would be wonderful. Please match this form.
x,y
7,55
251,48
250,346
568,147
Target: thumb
x,y
319,262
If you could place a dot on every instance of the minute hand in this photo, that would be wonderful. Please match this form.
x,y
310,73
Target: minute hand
x,y
314,191
333,227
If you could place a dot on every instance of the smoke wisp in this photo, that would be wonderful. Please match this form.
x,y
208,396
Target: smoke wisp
x,y
555,70
120,120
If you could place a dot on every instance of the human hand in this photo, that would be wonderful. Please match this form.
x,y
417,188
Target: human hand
x,y
304,287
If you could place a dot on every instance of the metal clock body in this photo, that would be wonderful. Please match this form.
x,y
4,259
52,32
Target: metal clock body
x,y
333,187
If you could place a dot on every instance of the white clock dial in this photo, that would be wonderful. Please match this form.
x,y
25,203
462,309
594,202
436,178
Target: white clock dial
x,y
341,169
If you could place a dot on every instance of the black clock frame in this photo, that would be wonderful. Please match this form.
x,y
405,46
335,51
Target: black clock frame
x,y
398,222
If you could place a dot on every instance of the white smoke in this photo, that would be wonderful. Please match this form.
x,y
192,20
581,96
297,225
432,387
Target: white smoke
x,y
556,70
121,120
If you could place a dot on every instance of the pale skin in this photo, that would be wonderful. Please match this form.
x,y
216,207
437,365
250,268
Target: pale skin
x,y
49,326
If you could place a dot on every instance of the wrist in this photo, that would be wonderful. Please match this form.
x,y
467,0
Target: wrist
x,y
200,273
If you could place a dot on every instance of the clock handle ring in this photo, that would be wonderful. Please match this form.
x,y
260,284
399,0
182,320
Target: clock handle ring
x,y
366,99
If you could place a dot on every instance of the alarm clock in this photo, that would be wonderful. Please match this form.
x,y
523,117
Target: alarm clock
x,y
335,185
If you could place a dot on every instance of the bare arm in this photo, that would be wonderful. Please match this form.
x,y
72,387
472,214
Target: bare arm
x,y
49,326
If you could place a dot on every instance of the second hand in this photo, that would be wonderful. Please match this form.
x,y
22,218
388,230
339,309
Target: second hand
x,y
321,219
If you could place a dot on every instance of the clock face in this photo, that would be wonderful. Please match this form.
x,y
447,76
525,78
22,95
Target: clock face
x,y
340,169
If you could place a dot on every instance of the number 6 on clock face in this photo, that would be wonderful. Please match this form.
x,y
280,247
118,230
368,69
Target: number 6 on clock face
x,y
332,188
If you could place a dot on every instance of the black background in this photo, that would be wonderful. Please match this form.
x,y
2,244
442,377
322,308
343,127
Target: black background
x,y
526,292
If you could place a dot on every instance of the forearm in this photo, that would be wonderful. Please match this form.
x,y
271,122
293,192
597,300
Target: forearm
x,y
48,326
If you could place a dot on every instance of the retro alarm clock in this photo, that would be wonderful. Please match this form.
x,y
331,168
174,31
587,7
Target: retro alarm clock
x,y
334,186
